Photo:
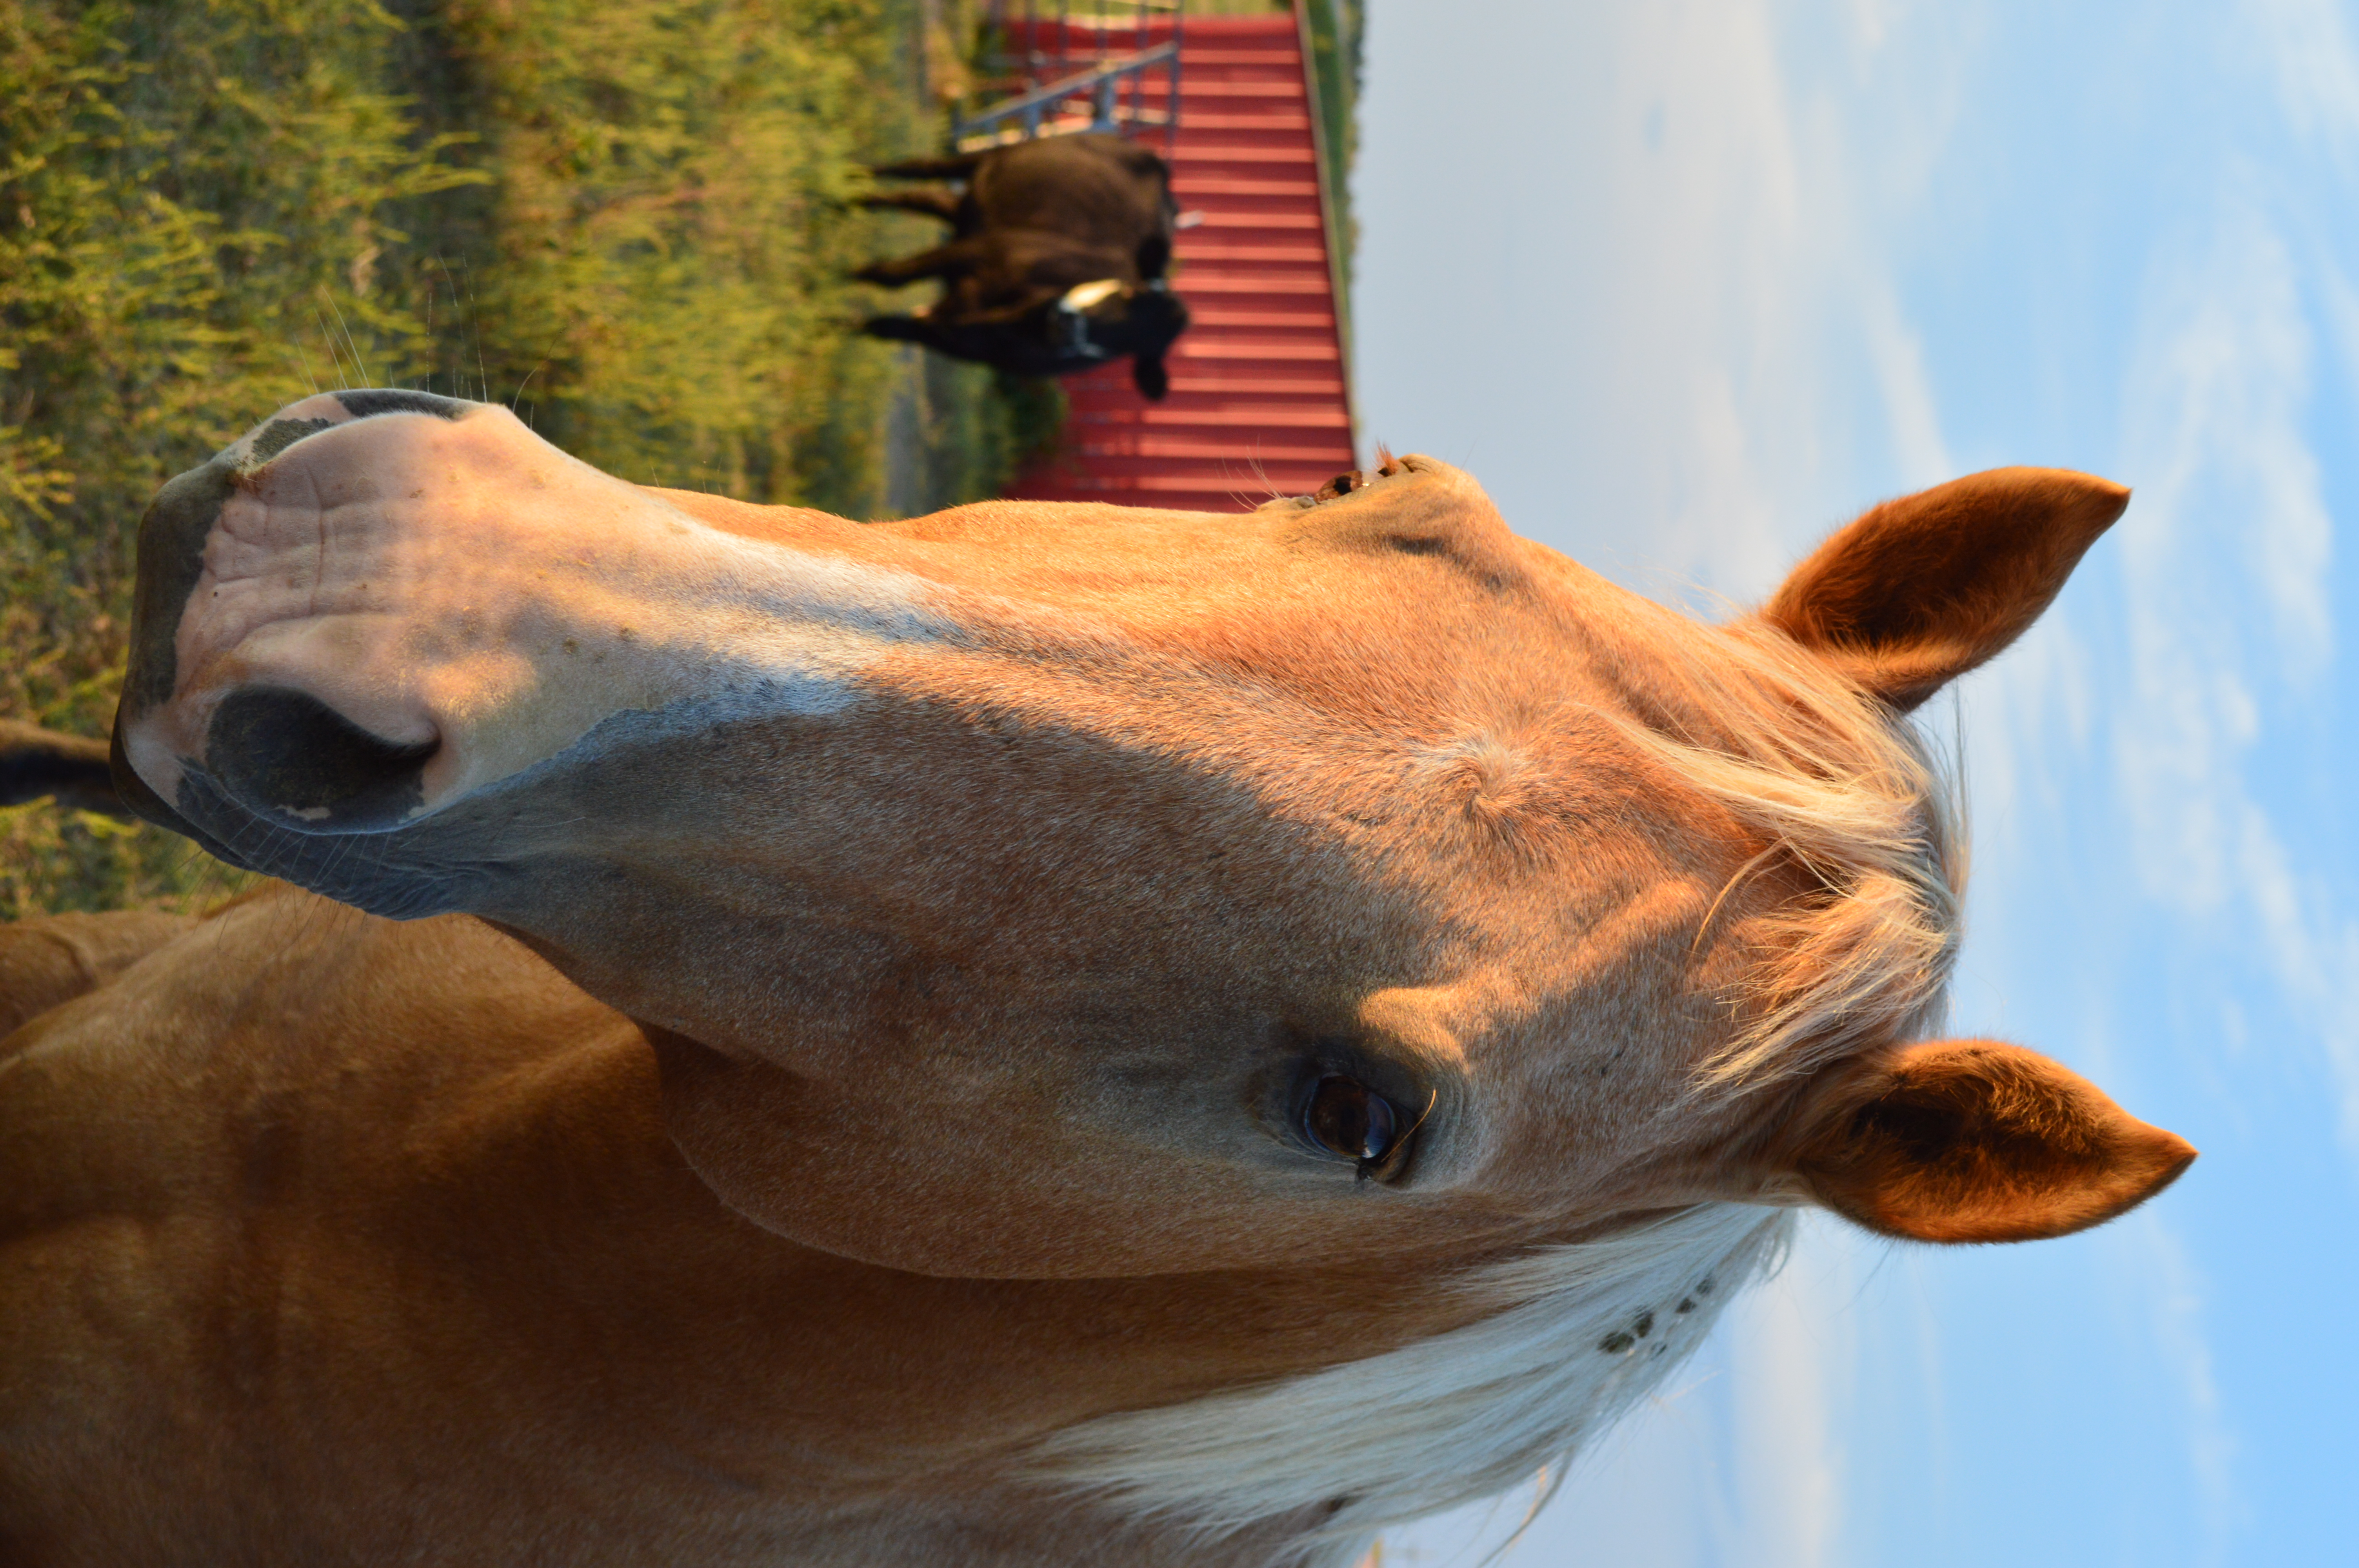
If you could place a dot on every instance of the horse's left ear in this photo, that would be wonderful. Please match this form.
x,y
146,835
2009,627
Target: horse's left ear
x,y
1146,374
1974,1141
1920,591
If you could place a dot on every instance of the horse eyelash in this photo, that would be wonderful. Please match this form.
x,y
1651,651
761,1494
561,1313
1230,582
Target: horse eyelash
x,y
1433,1098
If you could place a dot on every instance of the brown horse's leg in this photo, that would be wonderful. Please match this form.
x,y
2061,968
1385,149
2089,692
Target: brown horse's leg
x,y
958,166
957,256
54,958
934,202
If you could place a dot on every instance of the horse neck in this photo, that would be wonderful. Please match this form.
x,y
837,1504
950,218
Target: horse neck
x,y
862,1388
889,1368
843,1377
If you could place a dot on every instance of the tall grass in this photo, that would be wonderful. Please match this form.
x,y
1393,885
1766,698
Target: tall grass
x,y
628,220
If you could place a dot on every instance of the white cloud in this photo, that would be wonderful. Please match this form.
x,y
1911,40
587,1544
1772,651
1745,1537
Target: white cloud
x,y
2308,47
1917,449
1705,293
2177,1305
2226,571
2217,395
1791,1373
1756,344
2311,948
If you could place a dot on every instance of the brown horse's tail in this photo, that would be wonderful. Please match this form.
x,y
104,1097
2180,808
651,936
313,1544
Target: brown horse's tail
x,y
34,762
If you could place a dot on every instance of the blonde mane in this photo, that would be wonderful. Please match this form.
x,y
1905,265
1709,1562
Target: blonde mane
x,y
1853,799
1850,802
1575,1336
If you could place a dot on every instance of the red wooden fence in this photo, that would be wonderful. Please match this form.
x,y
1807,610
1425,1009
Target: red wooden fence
x,y
1259,404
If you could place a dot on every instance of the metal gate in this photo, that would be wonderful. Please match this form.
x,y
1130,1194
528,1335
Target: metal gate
x,y
1052,70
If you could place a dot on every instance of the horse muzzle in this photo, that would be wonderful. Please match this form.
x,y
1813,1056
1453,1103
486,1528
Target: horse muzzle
x,y
377,607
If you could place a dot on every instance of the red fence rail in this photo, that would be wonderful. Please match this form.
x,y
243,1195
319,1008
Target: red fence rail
x,y
1260,400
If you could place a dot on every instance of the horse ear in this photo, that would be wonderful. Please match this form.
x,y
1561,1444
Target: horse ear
x,y
1149,375
1920,591
1153,256
1977,1141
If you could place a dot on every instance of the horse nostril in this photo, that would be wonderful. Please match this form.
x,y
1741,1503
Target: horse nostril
x,y
284,753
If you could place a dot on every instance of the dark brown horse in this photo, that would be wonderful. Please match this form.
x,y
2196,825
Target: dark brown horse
x,y
1055,259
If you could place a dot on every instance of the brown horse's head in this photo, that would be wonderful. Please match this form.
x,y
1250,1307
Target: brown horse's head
x,y
1038,890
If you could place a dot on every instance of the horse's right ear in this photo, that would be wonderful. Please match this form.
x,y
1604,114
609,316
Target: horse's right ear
x,y
1972,1140
1920,591
1154,257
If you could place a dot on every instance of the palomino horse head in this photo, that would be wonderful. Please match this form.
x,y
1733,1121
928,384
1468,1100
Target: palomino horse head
x,y
1072,892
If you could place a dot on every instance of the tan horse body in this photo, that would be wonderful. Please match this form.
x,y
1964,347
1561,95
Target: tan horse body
x,y
1035,1034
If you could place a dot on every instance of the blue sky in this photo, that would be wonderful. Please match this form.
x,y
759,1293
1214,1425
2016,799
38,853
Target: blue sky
x,y
1685,284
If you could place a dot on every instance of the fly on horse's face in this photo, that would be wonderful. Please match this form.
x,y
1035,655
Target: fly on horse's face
x,y
1043,890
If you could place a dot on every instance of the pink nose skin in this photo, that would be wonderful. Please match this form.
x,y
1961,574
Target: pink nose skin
x,y
380,605
289,755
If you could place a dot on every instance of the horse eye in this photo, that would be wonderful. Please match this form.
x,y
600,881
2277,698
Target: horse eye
x,y
1349,1119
